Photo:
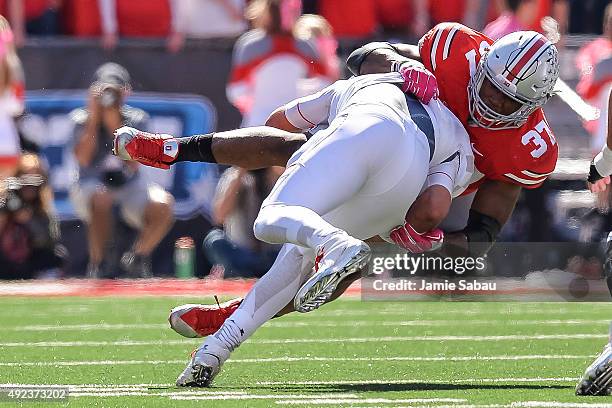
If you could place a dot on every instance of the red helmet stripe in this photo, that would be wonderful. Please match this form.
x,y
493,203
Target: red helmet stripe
x,y
515,70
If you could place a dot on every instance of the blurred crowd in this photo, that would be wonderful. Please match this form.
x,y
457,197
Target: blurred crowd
x,y
283,49
177,20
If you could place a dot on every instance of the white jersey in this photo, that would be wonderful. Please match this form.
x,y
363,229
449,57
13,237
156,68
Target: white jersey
x,y
451,163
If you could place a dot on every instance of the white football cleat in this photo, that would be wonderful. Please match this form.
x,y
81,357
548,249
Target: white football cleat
x,y
205,364
341,256
597,379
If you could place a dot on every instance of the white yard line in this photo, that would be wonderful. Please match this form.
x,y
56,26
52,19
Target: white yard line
x,y
186,342
79,386
437,406
92,326
422,381
558,404
402,309
435,323
168,391
340,401
110,394
318,323
298,359
307,399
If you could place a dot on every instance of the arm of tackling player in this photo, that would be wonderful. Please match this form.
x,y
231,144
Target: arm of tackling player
x,y
380,57
428,210
491,209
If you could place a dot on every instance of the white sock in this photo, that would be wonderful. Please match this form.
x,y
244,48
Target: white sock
x,y
269,295
280,223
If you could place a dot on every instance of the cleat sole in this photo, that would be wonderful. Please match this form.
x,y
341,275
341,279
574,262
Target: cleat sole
x,y
202,375
600,385
319,288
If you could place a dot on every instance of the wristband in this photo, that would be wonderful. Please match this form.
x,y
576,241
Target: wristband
x,y
603,161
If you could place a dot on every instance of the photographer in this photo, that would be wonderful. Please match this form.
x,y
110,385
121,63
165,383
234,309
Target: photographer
x,y
29,231
104,180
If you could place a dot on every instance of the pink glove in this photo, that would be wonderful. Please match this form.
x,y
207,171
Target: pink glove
x,y
406,237
419,82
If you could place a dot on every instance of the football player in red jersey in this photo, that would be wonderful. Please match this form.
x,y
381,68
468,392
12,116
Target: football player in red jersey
x,y
495,89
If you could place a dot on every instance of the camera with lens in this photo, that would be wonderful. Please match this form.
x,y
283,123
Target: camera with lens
x,y
114,172
11,199
110,95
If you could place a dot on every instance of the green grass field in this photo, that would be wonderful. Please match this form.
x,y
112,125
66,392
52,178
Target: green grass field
x,y
120,352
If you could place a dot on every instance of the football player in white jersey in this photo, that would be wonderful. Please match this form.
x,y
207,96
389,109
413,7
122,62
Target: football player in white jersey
x,y
353,180
597,378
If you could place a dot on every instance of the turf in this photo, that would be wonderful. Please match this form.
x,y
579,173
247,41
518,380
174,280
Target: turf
x,y
349,353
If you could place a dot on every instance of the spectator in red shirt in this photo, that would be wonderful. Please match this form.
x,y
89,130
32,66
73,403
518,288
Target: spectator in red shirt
x,y
396,16
472,13
134,18
205,19
81,18
34,17
350,18
519,15
557,9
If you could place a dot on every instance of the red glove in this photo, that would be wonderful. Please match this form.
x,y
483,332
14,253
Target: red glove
x,y
406,237
419,82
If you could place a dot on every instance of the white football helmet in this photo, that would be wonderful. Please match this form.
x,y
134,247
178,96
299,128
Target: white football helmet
x,y
523,65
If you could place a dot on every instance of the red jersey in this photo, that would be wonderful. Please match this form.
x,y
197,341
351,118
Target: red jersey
x,y
524,156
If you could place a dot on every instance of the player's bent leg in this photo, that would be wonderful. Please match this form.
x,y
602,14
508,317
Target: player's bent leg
x,y
294,210
267,297
338,254
197,320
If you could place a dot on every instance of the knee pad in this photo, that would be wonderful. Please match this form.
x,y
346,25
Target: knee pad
x,y
262,225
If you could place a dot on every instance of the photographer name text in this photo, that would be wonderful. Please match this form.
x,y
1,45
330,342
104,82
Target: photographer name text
x,y
424,285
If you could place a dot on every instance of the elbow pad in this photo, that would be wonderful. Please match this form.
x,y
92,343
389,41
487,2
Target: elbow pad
x,y
357,57
481,232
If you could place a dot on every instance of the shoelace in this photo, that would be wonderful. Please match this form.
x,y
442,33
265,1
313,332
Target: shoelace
x,y
218,318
